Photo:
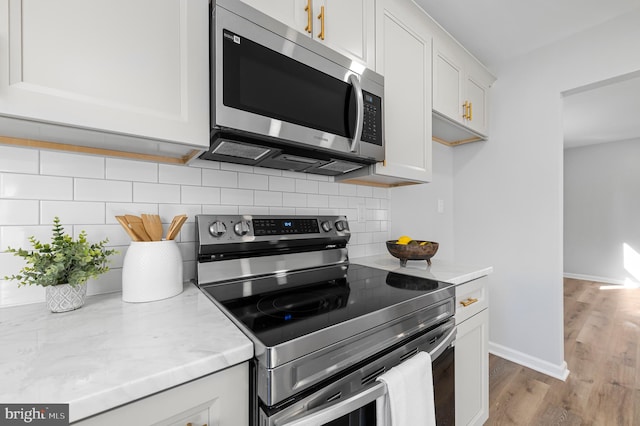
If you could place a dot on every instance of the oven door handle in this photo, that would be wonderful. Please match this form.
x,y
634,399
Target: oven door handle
x,y
324,415
448,340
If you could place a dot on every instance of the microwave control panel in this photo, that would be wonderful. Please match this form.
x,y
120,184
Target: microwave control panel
x,y
372,123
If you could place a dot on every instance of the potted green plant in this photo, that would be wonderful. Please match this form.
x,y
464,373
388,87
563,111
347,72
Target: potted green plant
x,y
62,267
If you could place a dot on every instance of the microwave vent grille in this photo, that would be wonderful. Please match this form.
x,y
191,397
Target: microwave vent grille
x,y
340,166
240,150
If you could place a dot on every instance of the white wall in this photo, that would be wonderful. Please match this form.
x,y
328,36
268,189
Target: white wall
x,y
87,192
414,209
508,191
602,211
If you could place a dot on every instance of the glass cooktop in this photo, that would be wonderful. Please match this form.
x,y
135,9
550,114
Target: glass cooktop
x,y
277,309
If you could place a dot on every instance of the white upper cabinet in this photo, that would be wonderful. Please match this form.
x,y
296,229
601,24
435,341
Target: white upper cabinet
x,y
136,68
404,57
460,95
346,26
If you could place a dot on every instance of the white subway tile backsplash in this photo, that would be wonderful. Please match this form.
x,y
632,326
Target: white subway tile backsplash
x,y
102,190
155,193
169,211
168,173
35,187
12,295
252,181
348,190
19,212
219,178
120,209
306,186
74,165
307,211
236,196
72,212
200,195
253,210
267,198
283,184
220,209
294,200
329,188
337,201
316,200
364,191
18,236
87,192
18,160
137,171
372,203
114,233
284,211
382,193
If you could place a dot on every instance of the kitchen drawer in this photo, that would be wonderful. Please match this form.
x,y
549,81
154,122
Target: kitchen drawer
x,y
471,298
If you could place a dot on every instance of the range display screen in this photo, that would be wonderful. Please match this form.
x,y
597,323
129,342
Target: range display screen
x,y
285,226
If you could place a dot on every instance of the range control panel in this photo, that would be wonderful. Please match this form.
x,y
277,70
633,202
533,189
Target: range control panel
x,y
228,229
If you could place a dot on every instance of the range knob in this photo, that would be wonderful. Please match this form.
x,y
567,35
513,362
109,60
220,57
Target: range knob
x,y
326,226
241,228
217,229
341,225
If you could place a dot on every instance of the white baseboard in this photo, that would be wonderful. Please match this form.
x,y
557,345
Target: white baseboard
x,y
606,280
557,371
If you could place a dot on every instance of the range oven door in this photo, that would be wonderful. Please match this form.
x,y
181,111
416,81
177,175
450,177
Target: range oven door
x,y
268,86
351,400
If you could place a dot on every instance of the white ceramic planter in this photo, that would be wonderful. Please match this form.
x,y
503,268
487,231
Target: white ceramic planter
x,y
65,297
152,270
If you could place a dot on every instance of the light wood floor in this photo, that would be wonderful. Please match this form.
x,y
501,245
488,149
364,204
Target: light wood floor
x,y
602,350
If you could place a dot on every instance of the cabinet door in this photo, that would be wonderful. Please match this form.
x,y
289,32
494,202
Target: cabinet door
x,y
349,28
137,68
472,370
447,88
476,95
290,12
404,56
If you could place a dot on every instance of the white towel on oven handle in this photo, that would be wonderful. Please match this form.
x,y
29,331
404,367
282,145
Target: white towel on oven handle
x,y
409,400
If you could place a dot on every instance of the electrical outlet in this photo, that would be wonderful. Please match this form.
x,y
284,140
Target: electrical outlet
x,y
440,206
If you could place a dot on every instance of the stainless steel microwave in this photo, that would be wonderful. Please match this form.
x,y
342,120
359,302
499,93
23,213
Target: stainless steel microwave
x,y
282,100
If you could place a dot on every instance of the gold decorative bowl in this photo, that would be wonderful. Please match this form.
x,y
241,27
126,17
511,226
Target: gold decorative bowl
x,y
421,250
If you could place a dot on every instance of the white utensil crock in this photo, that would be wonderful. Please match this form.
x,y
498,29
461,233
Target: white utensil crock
x,y
152,270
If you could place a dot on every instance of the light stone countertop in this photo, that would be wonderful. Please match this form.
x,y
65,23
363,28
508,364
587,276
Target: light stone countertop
x,y
440,270
109,352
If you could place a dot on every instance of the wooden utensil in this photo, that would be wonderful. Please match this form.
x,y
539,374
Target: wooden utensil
x,y
135,223
153,226
175,226
123,221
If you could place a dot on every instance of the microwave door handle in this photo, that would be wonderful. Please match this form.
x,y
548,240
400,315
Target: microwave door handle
x,y
357,134
324,415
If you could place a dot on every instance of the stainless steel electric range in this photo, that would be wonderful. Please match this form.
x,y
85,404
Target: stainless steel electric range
x,y
323,329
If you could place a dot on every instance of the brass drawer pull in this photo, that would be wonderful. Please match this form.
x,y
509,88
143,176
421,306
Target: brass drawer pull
x,y
468,302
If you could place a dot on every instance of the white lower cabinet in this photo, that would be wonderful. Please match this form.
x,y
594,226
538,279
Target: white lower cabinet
x,y
220,399
472,353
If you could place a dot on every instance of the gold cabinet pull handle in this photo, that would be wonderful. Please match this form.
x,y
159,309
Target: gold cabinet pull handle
x,y
309,11
321,18
470,111
465,107
468,302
